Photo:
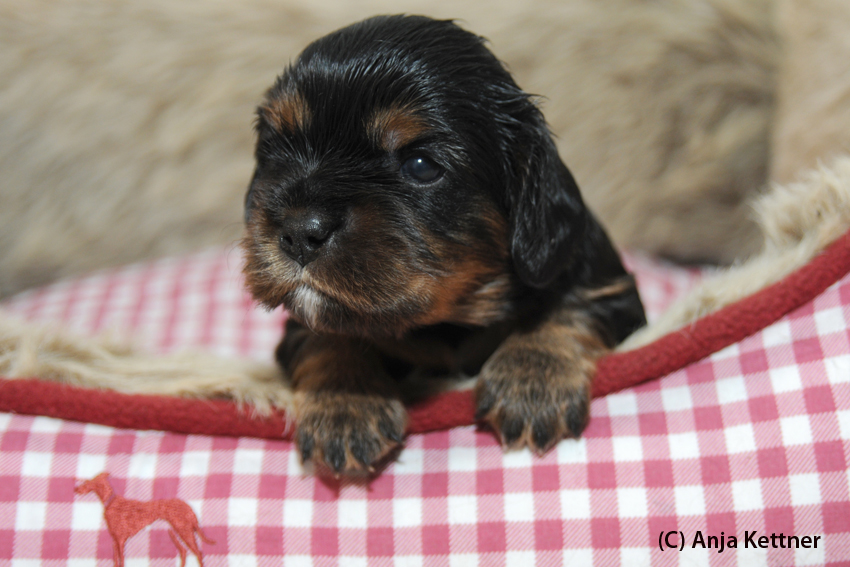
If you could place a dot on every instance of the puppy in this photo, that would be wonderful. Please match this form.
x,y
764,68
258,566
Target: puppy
x,y
410,210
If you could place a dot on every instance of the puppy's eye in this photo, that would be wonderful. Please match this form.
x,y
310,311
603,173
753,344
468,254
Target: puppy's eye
x,y
421,169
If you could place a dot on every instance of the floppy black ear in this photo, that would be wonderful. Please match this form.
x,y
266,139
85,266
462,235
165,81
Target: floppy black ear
x,y
547,216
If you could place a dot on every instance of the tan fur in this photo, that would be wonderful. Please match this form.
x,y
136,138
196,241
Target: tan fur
x,y
615,288
317,413
475,291
287,113
348,409
395,127
535,388
126,126
28,350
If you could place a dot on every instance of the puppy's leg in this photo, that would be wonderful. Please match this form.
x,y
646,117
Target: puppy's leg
x,y
348,410
535,388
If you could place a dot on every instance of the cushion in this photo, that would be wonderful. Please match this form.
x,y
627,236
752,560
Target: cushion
x,y
751,441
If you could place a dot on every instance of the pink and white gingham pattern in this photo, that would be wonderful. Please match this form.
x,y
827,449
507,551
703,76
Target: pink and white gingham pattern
x,y
754,438
197,302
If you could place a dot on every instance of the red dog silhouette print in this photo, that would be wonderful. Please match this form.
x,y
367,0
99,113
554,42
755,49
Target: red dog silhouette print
x,y
125,518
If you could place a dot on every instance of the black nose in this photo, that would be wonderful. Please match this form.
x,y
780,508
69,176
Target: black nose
x,y
304,233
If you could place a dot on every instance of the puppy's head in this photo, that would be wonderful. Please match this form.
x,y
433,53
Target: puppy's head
x,y
403,179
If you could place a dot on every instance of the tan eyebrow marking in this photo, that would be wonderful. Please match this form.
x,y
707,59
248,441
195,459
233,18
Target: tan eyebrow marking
x,y
287,112
395,127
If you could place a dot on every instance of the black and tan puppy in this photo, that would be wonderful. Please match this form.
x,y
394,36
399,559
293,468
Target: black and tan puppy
x,y
410,210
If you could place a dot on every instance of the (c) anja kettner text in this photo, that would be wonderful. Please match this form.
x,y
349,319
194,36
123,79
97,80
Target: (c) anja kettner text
x,y
751,540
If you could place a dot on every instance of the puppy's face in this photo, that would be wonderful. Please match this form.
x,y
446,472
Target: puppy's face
x,y
401,181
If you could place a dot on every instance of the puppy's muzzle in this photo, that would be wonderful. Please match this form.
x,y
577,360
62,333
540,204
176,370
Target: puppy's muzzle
x,y
304,233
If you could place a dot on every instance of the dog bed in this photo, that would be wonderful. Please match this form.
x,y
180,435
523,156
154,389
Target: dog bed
x,y
746,435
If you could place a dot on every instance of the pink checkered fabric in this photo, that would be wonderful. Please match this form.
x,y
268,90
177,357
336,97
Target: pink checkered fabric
x,y
756,438
197,302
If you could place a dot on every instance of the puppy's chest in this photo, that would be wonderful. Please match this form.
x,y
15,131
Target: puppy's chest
x,y
443,349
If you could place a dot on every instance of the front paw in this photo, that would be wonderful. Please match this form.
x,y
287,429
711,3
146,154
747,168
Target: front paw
x,y
348,432
534,396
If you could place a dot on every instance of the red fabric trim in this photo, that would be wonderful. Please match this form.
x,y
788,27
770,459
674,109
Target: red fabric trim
x,y
616,371
128,411
727,326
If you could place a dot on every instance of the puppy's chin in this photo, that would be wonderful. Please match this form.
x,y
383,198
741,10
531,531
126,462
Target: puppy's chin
x,y
383,307
324,313
307,305
389,314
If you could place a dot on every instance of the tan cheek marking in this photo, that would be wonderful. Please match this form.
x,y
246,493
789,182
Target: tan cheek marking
x,y
477,290
448,298
288,112
395,127
487,305
267,276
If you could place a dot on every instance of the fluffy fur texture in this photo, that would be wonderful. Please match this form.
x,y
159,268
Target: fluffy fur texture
x,y
663,111
410,210
125,126
813,111
28,350
798,220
